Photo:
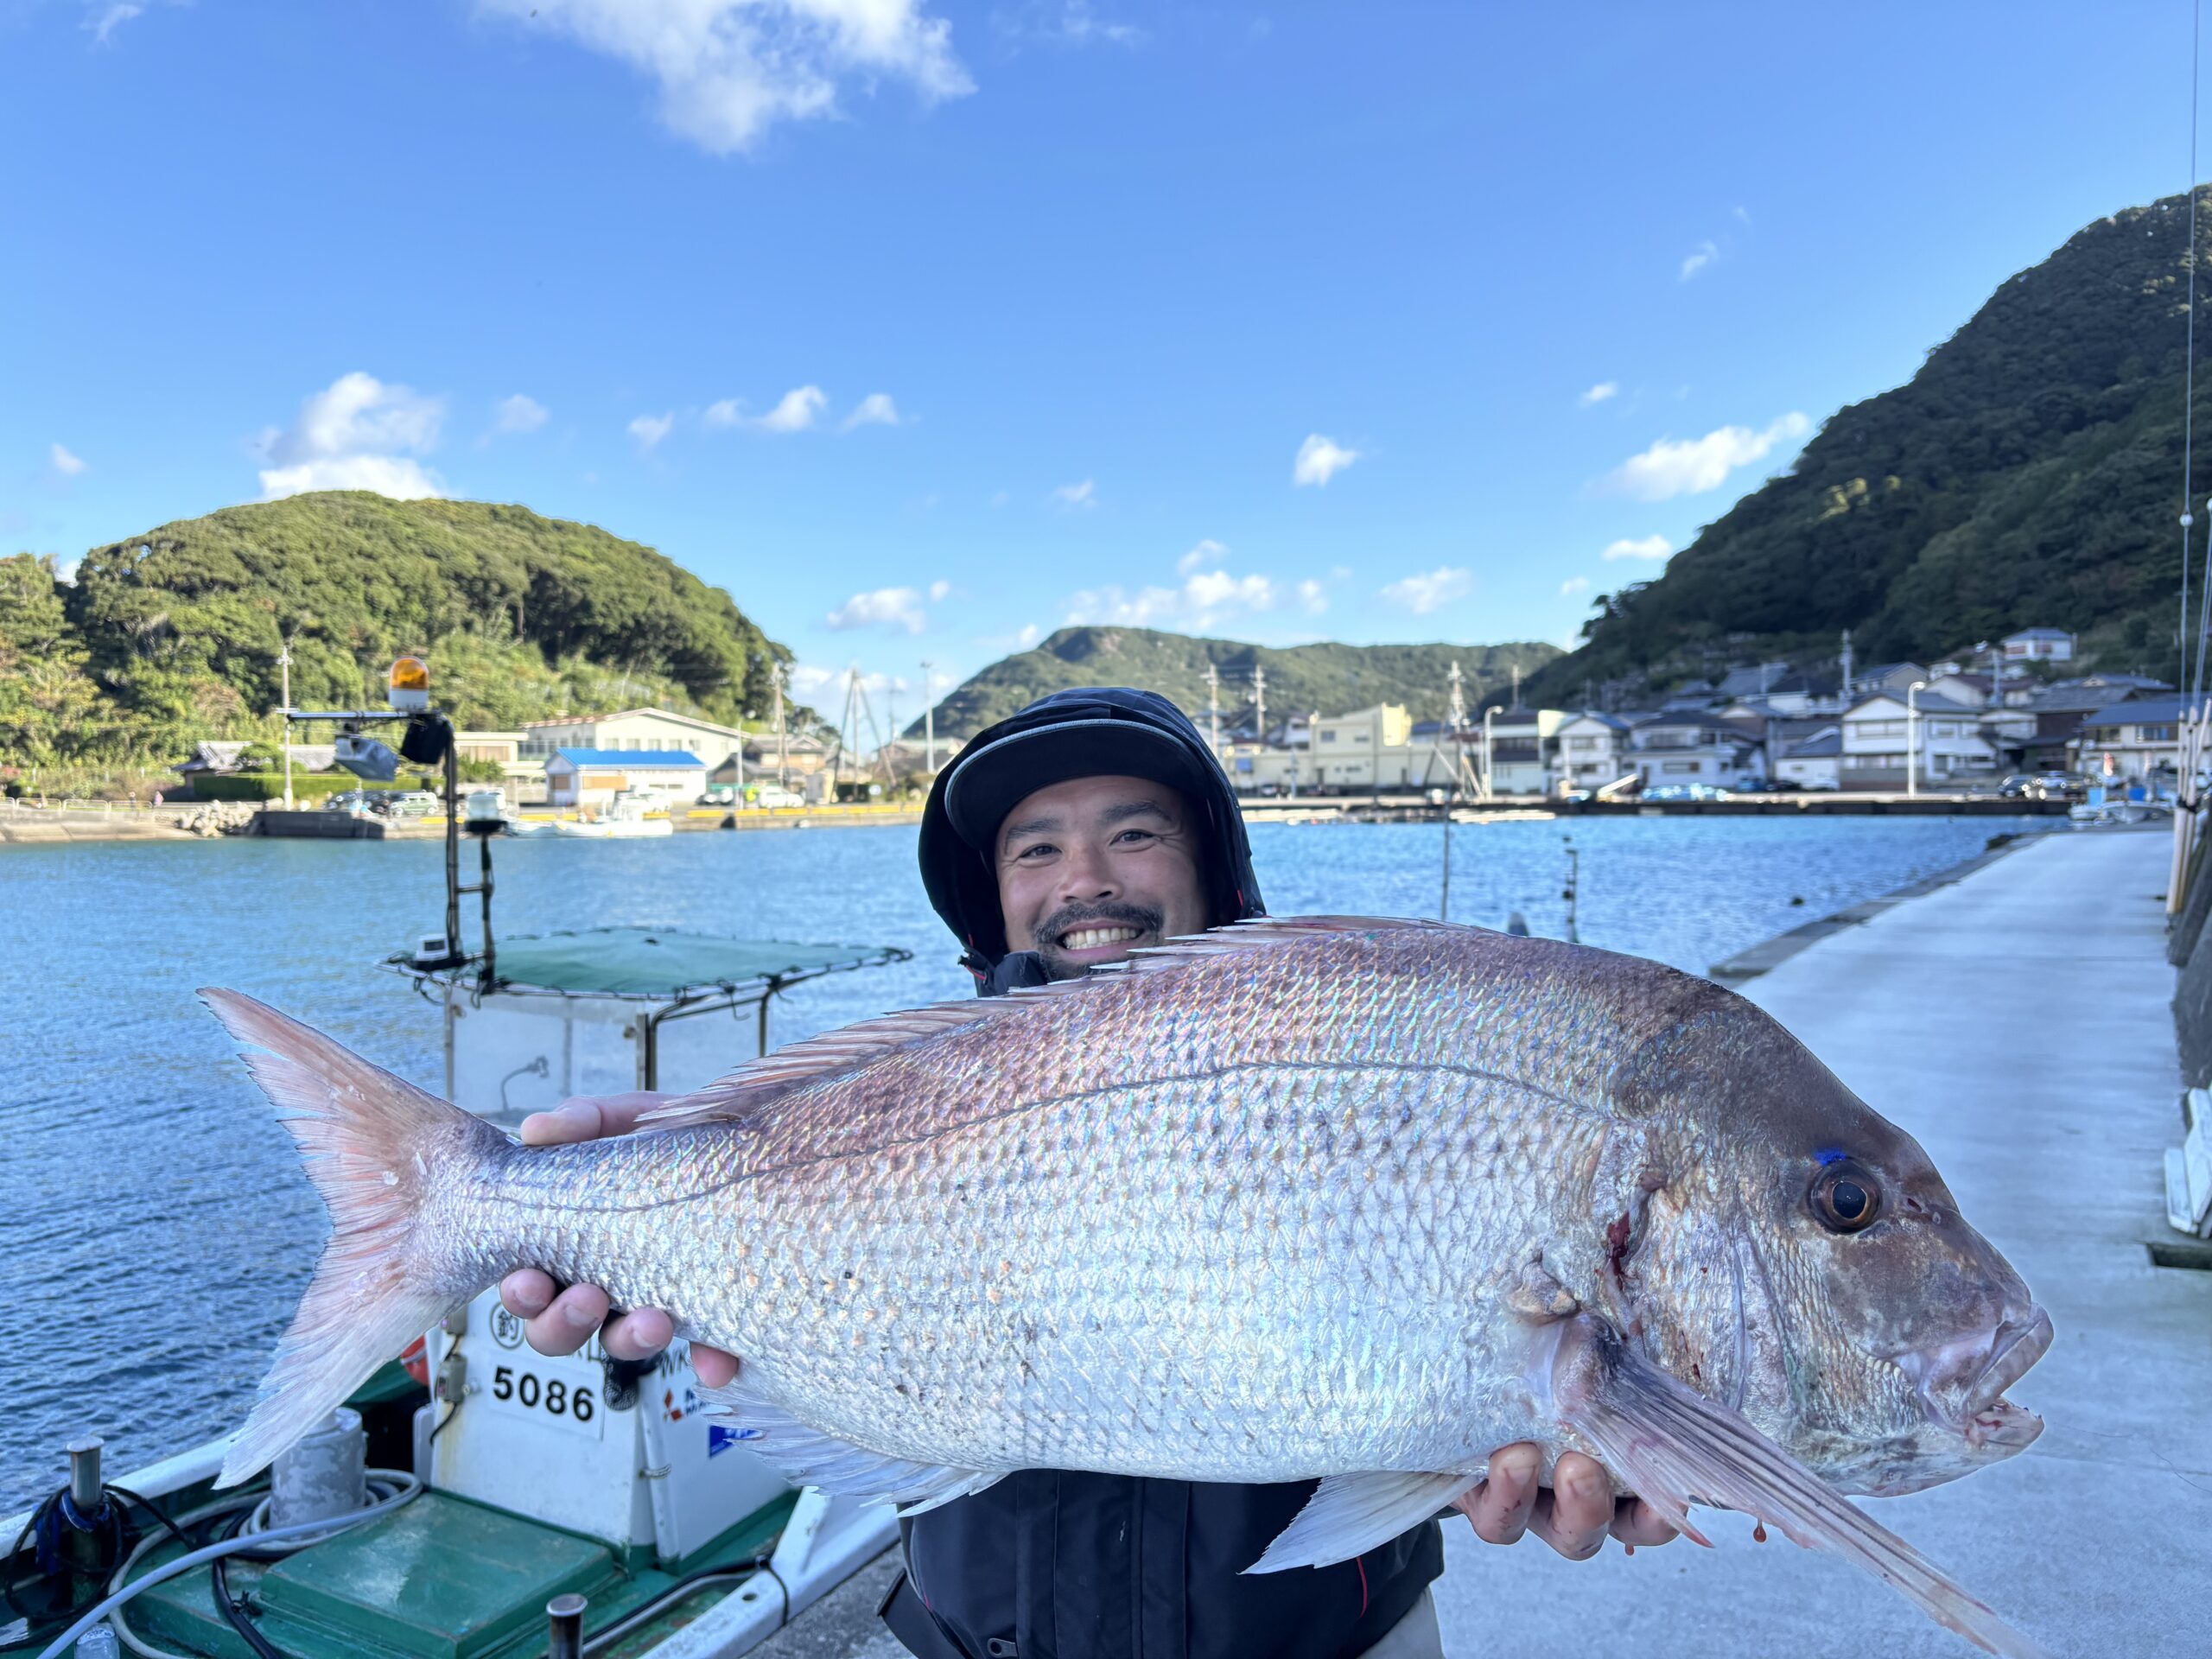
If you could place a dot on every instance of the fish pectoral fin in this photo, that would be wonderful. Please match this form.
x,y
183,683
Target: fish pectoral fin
x,y
1673,1448
1352,1514
807,1457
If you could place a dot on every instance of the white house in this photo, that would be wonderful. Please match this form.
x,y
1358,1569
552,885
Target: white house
x,y
1593,750
2039,646
1693,749
637,730
2130,740
592,778
1878,730
1812,762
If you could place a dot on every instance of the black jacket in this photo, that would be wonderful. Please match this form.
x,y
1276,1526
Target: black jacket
x,y
1050,1564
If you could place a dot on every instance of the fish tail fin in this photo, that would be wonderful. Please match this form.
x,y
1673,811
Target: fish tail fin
x,y
375,1147
1673,1448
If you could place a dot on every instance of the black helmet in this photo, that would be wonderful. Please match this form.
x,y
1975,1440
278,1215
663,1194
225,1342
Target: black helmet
x,y
1088,732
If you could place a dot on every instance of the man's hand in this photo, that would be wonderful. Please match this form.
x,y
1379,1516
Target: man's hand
x,y
1573,1515
560,1321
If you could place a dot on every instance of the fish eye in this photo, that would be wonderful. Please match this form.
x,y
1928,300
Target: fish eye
x,y
1846,1198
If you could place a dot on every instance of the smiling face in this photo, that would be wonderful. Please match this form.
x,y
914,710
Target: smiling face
x,y
1093,869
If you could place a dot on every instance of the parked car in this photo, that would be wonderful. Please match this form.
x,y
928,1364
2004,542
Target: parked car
x,y
413,803
2018,786
2058,785
770,796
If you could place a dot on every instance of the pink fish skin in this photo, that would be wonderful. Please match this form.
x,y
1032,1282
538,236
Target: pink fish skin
x,y
1338,1197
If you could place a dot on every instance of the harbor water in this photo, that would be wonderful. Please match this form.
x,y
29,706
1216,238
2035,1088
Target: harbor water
x,y
156,1229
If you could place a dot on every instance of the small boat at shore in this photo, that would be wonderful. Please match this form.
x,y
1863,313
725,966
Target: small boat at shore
x,y
628,818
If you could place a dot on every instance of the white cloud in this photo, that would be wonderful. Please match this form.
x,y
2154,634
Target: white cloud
x,y
1644,547
1599,393
728,70
1204,600
1319,460
1077,497
1030,634
875,410
1742,215
649,430
1422,594
360,434
884,607
938,589
794,412
518,414
1676,466
1207,552
1573,585
1071,23
1312,597
1704,255
105,19
65,463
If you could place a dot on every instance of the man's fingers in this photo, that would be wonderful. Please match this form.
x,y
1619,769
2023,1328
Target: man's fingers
x,y
716,1369
637,1335
1574,1518
1635,1521
1500,1506
567,1324
587,1117
571,1121
526,1292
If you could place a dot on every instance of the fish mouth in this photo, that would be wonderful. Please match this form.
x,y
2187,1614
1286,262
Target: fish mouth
x,y
1987,1420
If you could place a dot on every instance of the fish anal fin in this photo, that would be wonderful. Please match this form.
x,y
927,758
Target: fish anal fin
x,y
807,1457
1350,1515
1674,1447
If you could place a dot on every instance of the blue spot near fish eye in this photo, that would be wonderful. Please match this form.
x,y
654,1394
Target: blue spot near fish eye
x,y
1831,1155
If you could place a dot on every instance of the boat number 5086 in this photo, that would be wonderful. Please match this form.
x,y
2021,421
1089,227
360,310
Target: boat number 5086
x,y
526,1388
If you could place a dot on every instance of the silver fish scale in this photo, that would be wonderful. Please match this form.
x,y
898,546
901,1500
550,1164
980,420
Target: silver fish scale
x,y
1250,1220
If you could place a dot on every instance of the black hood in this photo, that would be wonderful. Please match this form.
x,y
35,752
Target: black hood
x,y
961,880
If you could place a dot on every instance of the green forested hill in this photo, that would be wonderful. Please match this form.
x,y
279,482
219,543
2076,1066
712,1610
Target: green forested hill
x,y
1332,679
2028,474
173,635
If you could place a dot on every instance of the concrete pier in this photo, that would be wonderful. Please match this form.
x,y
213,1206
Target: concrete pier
x,y
2016,1023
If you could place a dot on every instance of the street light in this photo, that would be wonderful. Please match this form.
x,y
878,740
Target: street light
x,y
1912,737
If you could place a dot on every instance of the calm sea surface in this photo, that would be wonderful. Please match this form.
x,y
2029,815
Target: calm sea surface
x,y
155,1228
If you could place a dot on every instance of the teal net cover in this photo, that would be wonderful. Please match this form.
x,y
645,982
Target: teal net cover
x,y
660,962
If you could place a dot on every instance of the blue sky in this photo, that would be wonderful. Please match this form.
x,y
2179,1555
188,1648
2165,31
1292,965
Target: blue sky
x,y
925,328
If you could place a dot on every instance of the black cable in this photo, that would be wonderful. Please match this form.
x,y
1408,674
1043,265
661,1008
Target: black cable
x,y
233,1610
154,1509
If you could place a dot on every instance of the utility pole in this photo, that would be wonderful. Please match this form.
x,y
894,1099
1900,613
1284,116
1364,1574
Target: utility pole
x,y
929,718
1487,768
783,748
1516,686
1846,669
285,665
1213,707
1260,700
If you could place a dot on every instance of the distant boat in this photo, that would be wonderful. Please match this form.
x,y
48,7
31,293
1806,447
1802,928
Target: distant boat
x,y
626,819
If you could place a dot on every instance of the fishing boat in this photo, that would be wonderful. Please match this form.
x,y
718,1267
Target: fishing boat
x,y
627,817
476,1499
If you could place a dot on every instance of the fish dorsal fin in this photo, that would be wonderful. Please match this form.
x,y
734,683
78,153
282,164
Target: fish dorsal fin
x,y
1350,1515
740,1097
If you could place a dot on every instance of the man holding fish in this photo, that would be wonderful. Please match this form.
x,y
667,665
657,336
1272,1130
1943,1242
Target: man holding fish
x,y
1093,1275
1093,823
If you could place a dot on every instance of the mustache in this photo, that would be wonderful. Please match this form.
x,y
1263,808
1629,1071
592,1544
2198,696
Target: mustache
x,y
1106,913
